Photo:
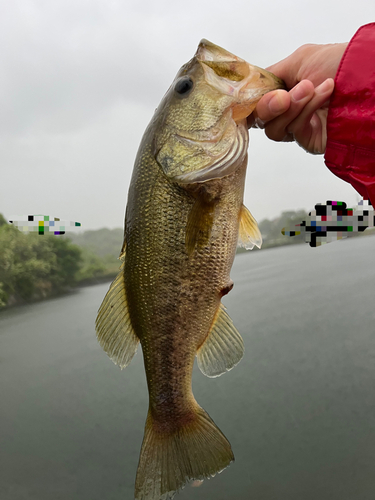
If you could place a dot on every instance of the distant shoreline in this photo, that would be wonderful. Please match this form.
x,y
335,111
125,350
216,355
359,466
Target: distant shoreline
x,y
99,261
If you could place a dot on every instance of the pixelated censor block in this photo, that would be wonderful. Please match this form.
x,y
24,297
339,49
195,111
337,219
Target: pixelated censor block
x,y
42,224
333,221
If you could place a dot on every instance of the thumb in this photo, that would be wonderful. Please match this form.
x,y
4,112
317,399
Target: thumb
x,y
272,105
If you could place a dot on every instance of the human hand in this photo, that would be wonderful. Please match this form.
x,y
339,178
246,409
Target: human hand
x,y
301,114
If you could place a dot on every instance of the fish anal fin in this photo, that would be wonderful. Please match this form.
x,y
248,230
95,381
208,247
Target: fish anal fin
x,y
113,327
199,225
197,449
223,347
248,234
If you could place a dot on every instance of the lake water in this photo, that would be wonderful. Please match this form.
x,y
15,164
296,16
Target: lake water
x,y
299,410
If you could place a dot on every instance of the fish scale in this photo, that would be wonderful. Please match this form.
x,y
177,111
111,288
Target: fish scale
x,y
183,221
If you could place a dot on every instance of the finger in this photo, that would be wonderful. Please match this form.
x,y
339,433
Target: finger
x,y
321,95
300,95
272,105
307,131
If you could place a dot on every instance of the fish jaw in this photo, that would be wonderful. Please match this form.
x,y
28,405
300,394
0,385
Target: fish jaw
x,y
232,76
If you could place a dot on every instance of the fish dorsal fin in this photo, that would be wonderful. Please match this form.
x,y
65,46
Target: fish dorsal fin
x,y
248,234
113,327
199,225
223,348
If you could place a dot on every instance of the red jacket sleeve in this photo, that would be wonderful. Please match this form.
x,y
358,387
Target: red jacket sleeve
x,y
350,151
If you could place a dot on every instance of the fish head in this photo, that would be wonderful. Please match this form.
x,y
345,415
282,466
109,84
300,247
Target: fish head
x,y
200,130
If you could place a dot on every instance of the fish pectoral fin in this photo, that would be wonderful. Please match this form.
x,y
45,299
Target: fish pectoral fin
x,y
113,327
199,225
248,234
123,251
223,347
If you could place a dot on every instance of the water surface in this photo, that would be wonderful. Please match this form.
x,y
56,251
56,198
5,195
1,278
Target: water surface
x,y
299,410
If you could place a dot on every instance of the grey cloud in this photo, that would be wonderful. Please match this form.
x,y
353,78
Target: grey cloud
x,y
59,72
79,81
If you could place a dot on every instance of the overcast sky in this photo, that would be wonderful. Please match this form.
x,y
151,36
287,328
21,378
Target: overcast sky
x,y
79,81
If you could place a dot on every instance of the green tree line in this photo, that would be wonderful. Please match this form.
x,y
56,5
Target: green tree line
x,y
36,267
271,229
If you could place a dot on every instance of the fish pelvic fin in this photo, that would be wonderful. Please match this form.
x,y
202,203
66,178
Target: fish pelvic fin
x,y
248,234
223,348
113,327
170,459
199,225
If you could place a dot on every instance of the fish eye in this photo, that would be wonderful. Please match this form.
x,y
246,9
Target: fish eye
x,y
183,86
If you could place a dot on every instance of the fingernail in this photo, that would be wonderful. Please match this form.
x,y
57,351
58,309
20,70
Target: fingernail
x,y
276,104
258,123
298,93
324,87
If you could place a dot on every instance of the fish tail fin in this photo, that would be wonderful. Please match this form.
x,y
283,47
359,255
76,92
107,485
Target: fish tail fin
x,y
171,458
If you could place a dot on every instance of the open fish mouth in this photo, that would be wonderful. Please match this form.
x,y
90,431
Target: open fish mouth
x,y
233,76
234,71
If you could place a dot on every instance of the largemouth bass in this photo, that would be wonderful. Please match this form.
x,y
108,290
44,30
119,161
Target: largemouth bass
x,y
184,219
